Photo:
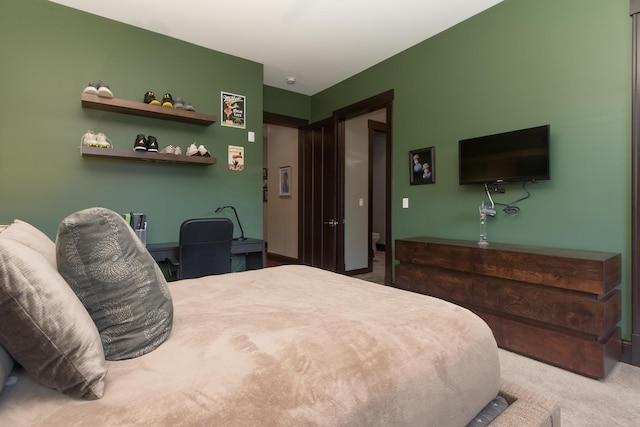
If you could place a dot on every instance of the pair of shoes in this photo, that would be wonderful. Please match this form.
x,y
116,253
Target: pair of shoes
x,y
142,143
100,140
181,104
197,151
99,89
150,98
170,149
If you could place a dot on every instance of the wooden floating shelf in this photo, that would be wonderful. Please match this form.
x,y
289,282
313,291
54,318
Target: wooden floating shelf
x,y
145,156
124,106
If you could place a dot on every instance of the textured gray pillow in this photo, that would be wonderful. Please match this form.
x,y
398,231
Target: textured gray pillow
x,y
117,280
25,233
44,326
6,365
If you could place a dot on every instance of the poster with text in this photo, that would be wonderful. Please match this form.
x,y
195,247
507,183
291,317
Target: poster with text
x,y
233,110
236,158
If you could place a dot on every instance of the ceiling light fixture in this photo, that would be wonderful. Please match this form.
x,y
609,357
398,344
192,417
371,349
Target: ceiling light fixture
x,y
291,80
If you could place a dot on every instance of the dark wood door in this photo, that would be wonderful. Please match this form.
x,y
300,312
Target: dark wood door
x,y
319,196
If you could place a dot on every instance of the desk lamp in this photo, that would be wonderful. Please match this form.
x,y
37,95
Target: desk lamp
x,y
220,209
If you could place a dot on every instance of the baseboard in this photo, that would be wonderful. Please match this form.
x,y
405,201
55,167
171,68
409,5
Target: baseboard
x,y
281,259
628,356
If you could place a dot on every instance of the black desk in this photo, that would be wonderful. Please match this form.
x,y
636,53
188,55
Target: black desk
x,y
253,250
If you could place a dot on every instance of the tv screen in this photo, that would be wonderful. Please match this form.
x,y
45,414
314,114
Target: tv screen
x,y
519,155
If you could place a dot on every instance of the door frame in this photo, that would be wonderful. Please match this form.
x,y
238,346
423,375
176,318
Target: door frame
x,y
373,127
292,122
381,101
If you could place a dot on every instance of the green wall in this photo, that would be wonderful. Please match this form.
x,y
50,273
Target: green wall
x,y
521,63
287,103
49,54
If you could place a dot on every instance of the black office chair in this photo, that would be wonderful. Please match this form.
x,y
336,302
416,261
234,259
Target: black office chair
x,y
204,248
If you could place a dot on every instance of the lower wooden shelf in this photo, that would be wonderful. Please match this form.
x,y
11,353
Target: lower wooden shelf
x,y
145,156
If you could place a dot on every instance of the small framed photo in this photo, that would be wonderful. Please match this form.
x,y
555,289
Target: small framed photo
x,y
285,181
422,166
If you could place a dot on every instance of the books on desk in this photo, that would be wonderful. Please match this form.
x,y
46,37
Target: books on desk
x,y
137,221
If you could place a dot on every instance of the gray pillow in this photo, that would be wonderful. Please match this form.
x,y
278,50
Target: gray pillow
x,y
25,233
117,280
45,327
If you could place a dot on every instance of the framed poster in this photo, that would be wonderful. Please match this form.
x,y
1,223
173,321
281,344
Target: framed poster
x,y
422,166
285,182
236,158
233,108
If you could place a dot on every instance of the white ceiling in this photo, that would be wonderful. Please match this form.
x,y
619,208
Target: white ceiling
x,y
319,42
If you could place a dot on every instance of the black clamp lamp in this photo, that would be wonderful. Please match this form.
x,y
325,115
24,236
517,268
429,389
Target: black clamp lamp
x,y
220,209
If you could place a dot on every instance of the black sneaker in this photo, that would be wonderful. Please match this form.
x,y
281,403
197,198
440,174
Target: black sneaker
x,y
152,144
167,100
150,98
140,143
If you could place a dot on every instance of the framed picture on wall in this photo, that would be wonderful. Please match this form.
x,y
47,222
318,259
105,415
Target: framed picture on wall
x,y
422,166
233,110
285,181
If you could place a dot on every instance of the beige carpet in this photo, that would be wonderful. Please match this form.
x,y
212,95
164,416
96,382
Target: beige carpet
x,y
585,402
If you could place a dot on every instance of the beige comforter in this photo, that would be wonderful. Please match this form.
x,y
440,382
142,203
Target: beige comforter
x,y
289,346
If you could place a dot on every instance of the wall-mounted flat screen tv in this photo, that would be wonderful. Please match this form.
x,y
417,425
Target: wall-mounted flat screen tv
x,y
516,156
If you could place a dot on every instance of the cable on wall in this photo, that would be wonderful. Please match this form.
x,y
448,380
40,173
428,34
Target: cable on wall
x,y
508,208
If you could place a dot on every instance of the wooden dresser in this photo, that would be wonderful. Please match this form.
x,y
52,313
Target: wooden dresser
x,y
559,306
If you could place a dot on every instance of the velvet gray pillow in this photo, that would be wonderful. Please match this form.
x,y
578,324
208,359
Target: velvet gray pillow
x,y
45,327
117,280
25,233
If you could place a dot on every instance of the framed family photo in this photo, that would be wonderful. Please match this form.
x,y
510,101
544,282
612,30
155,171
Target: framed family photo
x,y
422,166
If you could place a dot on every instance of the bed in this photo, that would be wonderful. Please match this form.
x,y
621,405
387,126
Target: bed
x,y
283,346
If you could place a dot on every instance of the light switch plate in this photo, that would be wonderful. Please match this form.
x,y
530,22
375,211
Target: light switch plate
x,y
405,203
252,136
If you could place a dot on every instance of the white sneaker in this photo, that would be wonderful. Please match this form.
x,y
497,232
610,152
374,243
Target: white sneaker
x,y
104,91
169,149
89,139
103,141
178,150
203,151
92,88
192,150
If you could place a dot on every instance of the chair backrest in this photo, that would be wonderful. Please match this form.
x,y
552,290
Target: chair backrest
x,y
205,247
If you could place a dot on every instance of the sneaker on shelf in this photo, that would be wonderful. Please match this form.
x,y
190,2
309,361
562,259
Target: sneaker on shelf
x,y
188,106
104,91
89,139
169,149
192,150
152,144
177,150
203,151
150,98
92,88
140,143
167,100
103,141
179,103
